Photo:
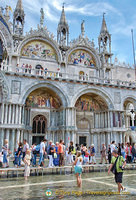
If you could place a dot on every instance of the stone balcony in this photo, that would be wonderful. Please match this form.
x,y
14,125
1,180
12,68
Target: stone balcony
x,y
58,75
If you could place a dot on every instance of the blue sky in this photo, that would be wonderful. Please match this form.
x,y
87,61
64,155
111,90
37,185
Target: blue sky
x,y
120,18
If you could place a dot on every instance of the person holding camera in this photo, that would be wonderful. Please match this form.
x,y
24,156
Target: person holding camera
x,y
117,166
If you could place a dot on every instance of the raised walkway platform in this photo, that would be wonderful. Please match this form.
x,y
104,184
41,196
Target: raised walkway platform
x,y
35,171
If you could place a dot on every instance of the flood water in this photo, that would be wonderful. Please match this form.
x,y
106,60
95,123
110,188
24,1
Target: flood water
x,y
64,187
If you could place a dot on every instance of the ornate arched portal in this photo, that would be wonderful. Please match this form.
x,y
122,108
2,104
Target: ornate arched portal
x,y
42,108
88,107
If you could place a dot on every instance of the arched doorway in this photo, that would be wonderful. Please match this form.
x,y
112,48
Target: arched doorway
x,y
43,112
130,115
83,127
91,119
39,128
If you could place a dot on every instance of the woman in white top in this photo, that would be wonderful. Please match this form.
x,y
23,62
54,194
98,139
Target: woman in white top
x,y
27,159
78,168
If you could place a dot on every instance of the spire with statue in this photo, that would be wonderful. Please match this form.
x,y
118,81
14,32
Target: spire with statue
x,y
63,30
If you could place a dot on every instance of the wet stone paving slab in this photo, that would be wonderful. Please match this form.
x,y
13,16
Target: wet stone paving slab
x,y
94,186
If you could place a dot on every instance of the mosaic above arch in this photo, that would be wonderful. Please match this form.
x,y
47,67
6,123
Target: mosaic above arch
x,y
90,102
82,58
43,98
38,49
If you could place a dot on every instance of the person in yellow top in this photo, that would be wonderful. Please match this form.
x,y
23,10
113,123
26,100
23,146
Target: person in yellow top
x,y
118,163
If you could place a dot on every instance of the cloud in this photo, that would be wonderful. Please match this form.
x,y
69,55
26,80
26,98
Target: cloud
x,y
90,9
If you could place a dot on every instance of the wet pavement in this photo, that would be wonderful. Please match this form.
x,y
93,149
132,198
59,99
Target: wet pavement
x,y
95,185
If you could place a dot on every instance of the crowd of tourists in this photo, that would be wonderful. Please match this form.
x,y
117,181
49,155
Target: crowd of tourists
x,y
59,154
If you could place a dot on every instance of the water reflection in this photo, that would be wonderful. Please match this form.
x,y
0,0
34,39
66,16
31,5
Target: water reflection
x,y
36,187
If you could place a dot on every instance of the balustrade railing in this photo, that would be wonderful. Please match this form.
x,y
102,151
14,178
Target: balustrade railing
x,y
58,74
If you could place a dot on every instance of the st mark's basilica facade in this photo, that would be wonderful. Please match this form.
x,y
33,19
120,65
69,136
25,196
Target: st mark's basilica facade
x,y
61,89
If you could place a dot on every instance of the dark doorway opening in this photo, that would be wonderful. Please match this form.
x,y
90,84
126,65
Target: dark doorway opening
x,y
37,139
82,140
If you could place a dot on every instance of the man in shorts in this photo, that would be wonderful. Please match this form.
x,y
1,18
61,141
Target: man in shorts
x,y
120,164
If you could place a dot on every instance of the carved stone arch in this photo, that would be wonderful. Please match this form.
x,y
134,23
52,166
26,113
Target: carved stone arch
x,y
100,92
4,88
90,50
44,39
129,98
54,87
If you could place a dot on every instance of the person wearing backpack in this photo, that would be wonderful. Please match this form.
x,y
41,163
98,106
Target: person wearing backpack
x,y
117,165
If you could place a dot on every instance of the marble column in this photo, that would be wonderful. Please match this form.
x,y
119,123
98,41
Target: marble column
x,y
20,113
25,135
13,114
67,140
9,115
73,137
48,135
21,136
2,113
111,136
102,138
108,138
6,114
28,117
7,134
115,136
109,120
53,138
16,121
94,119
23,115
63,135
98,143
123,138
30,139
17,138
1,138
92,138
12,144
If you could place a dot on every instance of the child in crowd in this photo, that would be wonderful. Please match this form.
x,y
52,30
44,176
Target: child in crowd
x,y
78,168
27,159
5,153
86,157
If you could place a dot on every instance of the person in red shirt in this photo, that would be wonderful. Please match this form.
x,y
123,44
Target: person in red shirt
x,y
61,153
